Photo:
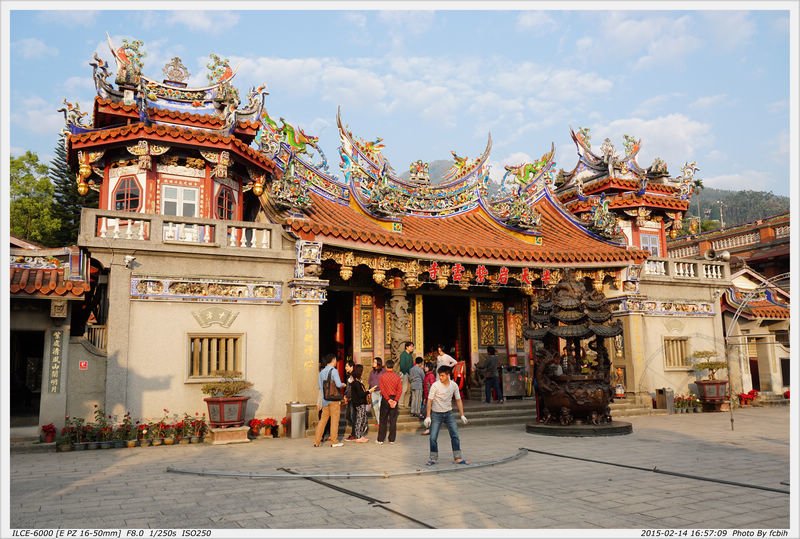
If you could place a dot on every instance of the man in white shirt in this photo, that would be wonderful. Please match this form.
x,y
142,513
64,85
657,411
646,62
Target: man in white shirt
x,y
440,410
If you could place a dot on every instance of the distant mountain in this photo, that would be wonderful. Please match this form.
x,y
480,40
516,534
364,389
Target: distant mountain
x,y
738,207
437,169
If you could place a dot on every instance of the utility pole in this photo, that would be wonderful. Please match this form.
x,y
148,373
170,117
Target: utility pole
x,y
721,217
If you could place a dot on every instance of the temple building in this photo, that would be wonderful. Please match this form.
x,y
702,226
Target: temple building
x,y
223,241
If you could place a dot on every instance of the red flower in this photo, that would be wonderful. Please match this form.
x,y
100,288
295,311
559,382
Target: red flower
x,y
285,421
255,424
49,429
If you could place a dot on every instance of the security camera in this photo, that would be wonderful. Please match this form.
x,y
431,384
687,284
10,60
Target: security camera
x,y
129,260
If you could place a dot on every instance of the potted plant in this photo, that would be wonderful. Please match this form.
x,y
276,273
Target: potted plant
x,y
286,426
255,428
226,404
746,399
199,427
48,435
272,425
711,390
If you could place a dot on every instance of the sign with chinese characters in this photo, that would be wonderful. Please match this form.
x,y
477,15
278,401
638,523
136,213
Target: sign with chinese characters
x,y
58,308
215,315
54,379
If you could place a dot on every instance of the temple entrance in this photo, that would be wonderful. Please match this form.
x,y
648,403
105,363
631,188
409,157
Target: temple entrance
x,y
446,322
336,325
27,349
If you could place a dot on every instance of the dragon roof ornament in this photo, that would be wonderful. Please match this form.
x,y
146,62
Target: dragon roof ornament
x,y
381,191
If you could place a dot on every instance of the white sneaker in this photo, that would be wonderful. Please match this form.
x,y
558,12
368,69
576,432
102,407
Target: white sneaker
x,y
391,443
378,442
340,444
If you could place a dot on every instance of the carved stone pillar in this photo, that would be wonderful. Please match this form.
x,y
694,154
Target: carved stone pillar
x,y
399,318
305,296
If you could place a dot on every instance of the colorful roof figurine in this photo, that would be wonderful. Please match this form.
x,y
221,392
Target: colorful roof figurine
x,y
632,190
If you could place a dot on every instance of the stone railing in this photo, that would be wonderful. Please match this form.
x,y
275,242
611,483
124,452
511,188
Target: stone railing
x,y
138,230
736,241
782,231
684,252
679,269
97,336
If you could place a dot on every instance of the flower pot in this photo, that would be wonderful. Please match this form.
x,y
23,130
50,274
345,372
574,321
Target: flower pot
x,y
144,442
698,409
156,441
169,440
63,447
275,432
131,443
79,446
119,444
194,440
253,434
226,411
106,444
184,440
92,445
48,437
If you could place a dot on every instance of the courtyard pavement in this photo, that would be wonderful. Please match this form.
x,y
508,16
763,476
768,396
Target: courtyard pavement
x,y
131,488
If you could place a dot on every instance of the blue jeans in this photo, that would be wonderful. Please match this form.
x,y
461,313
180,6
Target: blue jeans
x,y
493,382
449,420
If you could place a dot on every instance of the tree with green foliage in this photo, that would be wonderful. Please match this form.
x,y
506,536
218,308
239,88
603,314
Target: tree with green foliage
x,y
31,198
67,203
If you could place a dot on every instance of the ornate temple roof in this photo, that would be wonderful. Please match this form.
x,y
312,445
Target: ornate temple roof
x,y
472,235
49,273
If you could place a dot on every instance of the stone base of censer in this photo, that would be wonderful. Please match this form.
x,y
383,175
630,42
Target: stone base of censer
x,y
614,428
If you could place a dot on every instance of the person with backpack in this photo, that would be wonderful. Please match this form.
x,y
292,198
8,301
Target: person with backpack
x,y
330,386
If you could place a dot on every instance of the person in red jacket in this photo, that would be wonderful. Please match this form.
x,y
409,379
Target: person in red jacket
x,y
391,387
427,382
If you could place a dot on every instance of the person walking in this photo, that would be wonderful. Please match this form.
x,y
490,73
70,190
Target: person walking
x,y
349,411
390,386
491,380
415,377
375,391
361,405
330,408
406,362
440,411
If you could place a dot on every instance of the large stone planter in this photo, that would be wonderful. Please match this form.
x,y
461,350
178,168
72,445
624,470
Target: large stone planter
x,y
712,393
226,411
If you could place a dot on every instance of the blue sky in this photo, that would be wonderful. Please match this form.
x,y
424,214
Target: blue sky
x,y
705,86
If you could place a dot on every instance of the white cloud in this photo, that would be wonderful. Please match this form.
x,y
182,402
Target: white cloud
x,y
782,105
746,179
69,18
408,22
652,39
213,22
716,155
536,20
355,18
708,101
39,116
584,45
651,105
75,84
729,29
780,146
31,48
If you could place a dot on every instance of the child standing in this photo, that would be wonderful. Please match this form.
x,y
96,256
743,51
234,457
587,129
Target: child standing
x,y
427,382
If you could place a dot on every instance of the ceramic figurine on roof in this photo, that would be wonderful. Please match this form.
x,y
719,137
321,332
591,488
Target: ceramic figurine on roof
x,y
73,117
220,73
289,191
687,180
129,61
602,221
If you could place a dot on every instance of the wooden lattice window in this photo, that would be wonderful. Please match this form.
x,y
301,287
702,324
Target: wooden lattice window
x,y
225,203
127,194
676,353
211,353
491,323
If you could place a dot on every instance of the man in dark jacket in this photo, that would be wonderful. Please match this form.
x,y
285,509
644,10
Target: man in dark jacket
x,y
491,380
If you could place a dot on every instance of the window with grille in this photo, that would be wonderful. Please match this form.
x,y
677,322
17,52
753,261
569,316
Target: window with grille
x,y
651,242
211,353
127,194
491,323
225,203
676,355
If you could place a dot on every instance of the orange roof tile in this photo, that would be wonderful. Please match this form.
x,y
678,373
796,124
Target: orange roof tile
x,y
47,283
197,120
166,133
472,234
632,201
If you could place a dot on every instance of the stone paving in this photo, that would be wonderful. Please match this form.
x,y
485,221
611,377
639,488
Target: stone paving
x,y
130,488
